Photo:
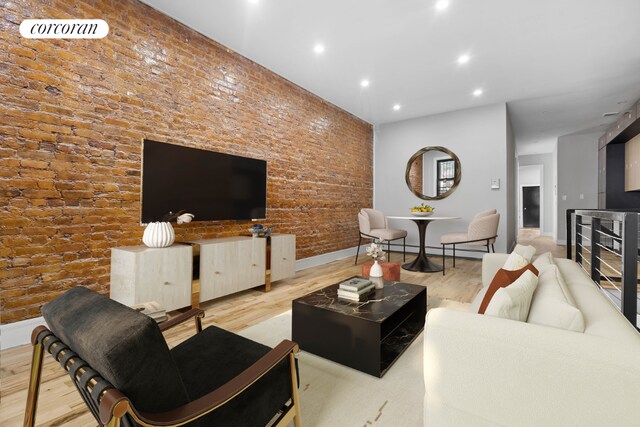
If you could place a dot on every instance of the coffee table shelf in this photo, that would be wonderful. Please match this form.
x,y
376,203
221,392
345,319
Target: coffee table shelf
x,y
369,335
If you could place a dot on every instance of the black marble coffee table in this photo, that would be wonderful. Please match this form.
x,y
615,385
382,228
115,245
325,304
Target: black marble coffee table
x,y
368,335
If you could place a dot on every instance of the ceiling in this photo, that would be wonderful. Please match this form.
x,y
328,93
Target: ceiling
x,y
559,65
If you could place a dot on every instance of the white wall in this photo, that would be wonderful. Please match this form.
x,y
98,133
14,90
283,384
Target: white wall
x,y
547,220
577,175
479,138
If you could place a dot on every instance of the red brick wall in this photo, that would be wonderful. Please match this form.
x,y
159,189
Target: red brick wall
x,y
73,115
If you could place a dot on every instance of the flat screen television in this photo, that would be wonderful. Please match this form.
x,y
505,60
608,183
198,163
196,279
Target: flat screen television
x,y
210,185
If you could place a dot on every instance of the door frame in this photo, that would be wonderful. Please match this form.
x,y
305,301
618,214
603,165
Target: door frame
x,y
541,185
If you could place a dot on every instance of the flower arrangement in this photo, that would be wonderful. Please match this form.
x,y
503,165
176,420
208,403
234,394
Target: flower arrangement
x,y
375,250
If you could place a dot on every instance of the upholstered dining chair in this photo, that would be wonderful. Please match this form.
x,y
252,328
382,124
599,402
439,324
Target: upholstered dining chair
x,y
373,225
483,230
126,374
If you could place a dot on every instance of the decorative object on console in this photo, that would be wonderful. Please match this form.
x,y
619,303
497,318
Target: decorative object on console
x,y
259,230
185,218
161,234
158,235
375,251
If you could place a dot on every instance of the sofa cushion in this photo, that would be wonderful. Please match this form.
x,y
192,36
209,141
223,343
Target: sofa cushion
x,y
213,357
502,279
513,301
602,318
551,306
123,345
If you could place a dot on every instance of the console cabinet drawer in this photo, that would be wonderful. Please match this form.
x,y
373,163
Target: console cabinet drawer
x,y
283,256
231,265
140,274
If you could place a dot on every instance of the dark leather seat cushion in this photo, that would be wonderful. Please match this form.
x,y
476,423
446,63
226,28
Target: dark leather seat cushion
x,y
215,356
123,345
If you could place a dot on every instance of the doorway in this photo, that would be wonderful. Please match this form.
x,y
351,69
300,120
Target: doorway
x,y
531,206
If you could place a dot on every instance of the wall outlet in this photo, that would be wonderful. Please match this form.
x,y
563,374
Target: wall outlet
x,y
564,197
582,197
495,184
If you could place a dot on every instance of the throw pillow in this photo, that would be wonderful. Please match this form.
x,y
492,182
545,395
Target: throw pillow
x,y
515,262
514,301
553,305
527,252
543,261
503,278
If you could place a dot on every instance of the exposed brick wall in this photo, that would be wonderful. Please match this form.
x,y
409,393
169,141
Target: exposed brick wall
x,y
73,116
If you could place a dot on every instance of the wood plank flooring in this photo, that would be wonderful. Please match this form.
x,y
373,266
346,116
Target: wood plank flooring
x,y
60,404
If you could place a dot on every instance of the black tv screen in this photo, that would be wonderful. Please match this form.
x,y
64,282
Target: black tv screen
x,y
210,185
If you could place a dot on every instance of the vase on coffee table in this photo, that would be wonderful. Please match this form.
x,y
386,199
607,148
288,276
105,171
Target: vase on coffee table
x,y
375,275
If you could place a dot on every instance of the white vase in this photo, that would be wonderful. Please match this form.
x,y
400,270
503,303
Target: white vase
x,y
158,235
375,275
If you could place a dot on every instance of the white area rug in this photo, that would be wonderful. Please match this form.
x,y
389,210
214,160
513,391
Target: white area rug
x,y
333,395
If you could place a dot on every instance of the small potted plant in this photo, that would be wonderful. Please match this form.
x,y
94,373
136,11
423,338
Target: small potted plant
x,y
377,254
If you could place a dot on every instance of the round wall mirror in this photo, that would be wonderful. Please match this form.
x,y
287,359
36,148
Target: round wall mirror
x,y
433,173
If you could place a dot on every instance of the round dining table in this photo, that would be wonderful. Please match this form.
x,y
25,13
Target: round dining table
x,y
422,263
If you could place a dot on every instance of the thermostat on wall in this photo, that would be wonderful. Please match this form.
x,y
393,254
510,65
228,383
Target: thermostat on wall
x,y
495,184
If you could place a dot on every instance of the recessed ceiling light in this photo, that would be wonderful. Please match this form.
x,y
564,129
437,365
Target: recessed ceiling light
x,y
365,83
463,59
318,49
442,5
396,107
477,92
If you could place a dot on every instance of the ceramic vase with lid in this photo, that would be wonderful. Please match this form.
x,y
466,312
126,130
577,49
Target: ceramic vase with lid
x,y
375,275
158,235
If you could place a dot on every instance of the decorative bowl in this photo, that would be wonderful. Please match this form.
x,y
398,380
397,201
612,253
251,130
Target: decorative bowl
x,y
422,213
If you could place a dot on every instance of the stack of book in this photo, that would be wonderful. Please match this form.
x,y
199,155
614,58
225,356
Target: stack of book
x,y
355,289
153,310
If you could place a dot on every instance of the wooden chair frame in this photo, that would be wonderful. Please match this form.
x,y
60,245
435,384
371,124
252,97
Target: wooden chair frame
x,y
114,405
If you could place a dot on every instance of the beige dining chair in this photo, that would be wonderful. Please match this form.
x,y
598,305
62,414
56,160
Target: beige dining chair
x,y
373,225
483,230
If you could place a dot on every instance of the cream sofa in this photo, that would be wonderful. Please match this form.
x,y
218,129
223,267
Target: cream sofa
x,y
485,371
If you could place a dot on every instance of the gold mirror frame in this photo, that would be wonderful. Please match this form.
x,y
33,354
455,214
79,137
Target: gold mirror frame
x,y
456,177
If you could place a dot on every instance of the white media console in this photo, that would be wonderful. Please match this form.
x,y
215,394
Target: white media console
x,y
225,265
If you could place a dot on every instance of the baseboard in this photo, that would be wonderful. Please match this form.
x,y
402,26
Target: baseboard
x,y
18,333
317,260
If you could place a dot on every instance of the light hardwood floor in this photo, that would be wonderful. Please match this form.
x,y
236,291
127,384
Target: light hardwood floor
x,y
60,404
